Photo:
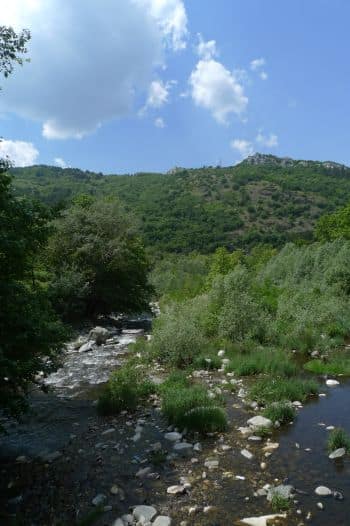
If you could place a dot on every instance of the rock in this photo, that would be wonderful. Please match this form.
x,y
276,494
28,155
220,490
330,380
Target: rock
x,y
323,491
119,522
50,457
254,438
338,496
320,505
108,431
259,421
99,335
99,500
211,463
142,473
221,353
197,447
173,436
263,465
338,453
283,490
332,383
270,446
176,490
22,459
114,489
247,454
144,514
162,520
183,448
86,347
264,520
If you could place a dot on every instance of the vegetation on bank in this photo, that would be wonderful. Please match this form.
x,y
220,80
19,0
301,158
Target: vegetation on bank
x,y
338,438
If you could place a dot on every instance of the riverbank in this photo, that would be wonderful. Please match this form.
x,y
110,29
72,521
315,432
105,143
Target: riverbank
x,y
129,460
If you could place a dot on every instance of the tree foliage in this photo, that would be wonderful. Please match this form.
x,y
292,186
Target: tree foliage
x,y
334,226
12,47
98,262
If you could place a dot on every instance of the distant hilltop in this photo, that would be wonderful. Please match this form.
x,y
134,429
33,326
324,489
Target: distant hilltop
x,y
268,159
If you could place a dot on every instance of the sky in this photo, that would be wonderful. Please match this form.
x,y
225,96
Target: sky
x,y
123,86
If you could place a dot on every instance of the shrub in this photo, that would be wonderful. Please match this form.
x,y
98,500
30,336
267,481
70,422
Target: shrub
x,y
282,412
125,388
268,390
337,439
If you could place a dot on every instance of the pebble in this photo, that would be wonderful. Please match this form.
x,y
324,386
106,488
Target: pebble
x,y
211,464
176,490
162,520
99,499
320,505
183,448
143,472
323,491
247,454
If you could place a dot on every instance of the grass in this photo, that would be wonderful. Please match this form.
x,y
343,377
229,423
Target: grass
x,y
267,390
263,432
280,503
337,439
266,361
189,406
207,361
283,412
124,390
334,365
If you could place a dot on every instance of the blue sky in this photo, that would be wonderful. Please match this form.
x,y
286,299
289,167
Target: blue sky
x,y
123,86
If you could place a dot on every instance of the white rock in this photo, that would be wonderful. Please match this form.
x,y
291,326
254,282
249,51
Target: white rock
x,y
142,473
323,491
162,520
320,505
211,464
108,431
144,513
183,448
99,499
174,436
86,347
221,353
338,453
119,522
259,421
247,454
262,521
176,490
197,447
332,383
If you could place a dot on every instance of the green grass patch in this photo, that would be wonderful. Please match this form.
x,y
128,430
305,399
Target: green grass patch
x,y
271,362
337,439
267,390
283,412
280,503
334,365
124,390
207,361
189,406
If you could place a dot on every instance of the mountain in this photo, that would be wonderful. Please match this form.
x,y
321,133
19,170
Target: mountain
x,y
263,199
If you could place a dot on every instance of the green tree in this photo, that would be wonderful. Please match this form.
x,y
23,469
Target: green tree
x,y
223,262
334,226
98,261
12,47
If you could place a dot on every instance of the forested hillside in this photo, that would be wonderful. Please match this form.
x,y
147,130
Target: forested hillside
x,y
263,199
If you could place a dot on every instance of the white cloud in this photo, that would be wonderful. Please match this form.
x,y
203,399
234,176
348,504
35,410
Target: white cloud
x,y
215,88
244,147
172,19
269,141
159,122
158,94
257,63
263,75
60,162
21,153
206,50
89,59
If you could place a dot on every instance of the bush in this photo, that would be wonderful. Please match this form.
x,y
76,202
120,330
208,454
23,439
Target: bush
x,y
282,412
124,390
267,390
337,439
280,503
190,407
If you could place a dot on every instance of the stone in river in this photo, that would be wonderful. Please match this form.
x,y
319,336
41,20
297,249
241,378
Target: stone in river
x,y
264,520
183,448
259,421
247,454
175,490
338,453
162,520
173,436
144,514
332,383
99,499
323,491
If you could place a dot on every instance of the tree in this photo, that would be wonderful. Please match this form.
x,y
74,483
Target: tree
x,y
30,333
98,261
12,46
334,226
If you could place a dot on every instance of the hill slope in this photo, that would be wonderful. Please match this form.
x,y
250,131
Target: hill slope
x,y
263,199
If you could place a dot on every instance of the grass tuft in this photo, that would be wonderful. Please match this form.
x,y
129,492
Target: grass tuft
x,y
283,412
267,390
337,439
334,365
280,503
264,361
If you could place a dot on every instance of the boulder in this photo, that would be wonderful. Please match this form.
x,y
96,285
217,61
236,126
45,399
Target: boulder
x,y
144,514
323,491
256,422
99,335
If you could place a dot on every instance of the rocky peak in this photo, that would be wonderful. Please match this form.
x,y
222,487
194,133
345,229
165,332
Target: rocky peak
x,y
268,159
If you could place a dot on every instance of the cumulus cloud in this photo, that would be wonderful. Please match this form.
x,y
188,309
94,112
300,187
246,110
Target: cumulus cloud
x,y
243,147
172,19
257,63
60,162
263,75
269,141
206,50
216,89
88,59
20,153
159,122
